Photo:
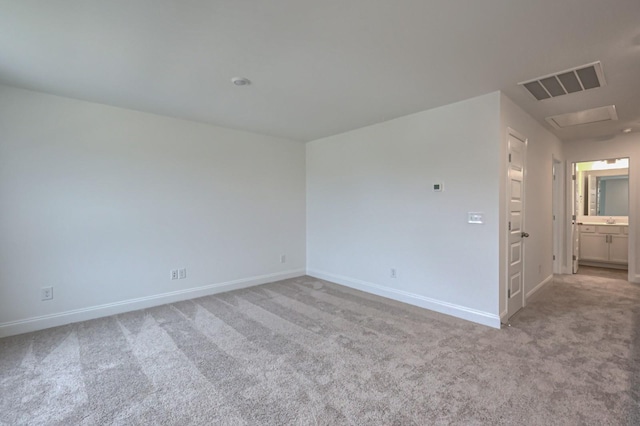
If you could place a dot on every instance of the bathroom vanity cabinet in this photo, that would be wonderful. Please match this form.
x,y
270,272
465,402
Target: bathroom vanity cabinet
x,y
604,244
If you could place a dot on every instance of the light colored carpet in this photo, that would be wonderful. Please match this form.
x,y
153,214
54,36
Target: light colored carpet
x,y
619,274
304,351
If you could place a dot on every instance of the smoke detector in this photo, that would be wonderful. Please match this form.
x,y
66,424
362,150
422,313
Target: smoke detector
x,y
240,81
579,79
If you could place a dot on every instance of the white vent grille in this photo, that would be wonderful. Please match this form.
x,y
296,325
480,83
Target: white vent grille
x,y
577,79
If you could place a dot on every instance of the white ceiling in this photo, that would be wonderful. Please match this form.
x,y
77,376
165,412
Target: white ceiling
x,y
321,67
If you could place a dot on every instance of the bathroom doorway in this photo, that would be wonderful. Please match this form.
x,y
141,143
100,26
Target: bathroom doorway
x,y
601,214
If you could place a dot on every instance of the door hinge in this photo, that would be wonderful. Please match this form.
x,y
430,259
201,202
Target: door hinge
x,y
509,293
554,217
509,157
509,226
573,217
573,177
554,257
574,257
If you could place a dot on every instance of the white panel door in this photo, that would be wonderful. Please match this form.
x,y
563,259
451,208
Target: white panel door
x,y
575,210
516,146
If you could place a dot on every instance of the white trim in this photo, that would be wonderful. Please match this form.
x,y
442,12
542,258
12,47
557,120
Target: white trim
x,y
463,312
53,320
534,292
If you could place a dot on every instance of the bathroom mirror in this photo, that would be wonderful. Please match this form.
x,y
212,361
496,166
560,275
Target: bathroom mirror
x,y
612,195
606,192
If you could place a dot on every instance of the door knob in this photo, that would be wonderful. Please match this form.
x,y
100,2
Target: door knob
x,y
524,235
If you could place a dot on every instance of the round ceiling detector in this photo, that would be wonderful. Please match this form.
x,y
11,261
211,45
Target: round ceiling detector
x,y
240,81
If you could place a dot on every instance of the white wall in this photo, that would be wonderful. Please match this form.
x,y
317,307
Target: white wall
x,y
101,202
620,146
370,208
542,147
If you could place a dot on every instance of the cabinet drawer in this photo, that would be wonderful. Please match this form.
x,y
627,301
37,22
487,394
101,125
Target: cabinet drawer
x,y
608,229
587,228
625,230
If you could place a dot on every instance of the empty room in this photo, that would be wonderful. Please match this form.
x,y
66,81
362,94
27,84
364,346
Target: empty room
x,y
341,212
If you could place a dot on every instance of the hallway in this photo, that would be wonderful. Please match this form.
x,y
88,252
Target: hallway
x,y
590,321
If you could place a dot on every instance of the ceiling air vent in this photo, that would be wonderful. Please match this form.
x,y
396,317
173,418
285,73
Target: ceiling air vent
x,y
577,79
594,115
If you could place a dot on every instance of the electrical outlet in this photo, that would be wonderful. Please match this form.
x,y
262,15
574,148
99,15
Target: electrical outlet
x,y
46,293
174,274
393,273
283,258
182,273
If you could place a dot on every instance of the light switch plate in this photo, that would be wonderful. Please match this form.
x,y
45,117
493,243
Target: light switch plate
x,y
475,217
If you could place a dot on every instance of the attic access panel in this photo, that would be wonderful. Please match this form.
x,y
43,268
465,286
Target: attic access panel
x,y
588,116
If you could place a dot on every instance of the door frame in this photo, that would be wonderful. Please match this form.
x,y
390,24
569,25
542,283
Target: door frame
x,y
632,276
557,210
512,132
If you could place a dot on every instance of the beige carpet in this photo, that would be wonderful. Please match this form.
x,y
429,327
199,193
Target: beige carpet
x,y
304,351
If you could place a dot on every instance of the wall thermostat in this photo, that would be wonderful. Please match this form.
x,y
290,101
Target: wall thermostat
x,y
437,187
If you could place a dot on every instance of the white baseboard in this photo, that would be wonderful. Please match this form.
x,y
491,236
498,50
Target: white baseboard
x,y
447,308
503,316
53,320
530,296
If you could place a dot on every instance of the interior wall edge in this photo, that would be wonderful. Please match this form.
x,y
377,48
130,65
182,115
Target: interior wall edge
x,y
458,311
27,325
503,315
